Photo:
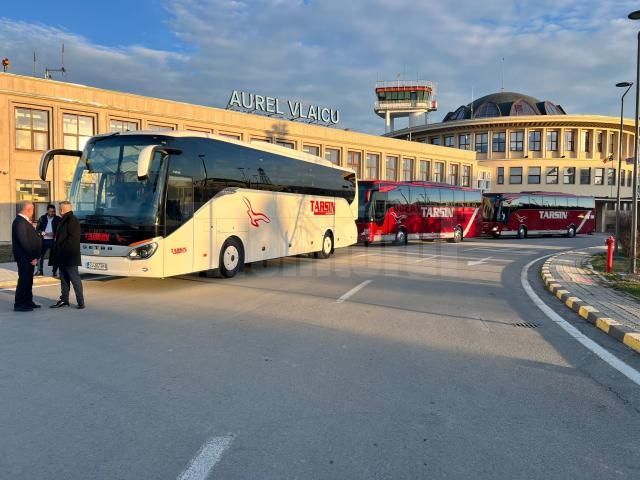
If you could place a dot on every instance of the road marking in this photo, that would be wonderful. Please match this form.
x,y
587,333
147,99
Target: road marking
x,y
601,352
203,462
353,291
478,262
429,257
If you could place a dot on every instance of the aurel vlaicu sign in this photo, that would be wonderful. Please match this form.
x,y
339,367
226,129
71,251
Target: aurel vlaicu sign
x,y
292,110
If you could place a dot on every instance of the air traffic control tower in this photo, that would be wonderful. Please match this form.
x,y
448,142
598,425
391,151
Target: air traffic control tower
x,y
405,98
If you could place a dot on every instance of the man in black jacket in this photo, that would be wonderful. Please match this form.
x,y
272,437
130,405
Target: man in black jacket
x,y
46,227
26,244
66,256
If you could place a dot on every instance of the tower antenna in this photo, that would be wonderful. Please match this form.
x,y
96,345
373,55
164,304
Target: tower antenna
x,y
62,70
502,77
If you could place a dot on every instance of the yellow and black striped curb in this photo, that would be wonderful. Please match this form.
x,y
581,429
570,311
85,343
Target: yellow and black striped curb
x,y
36,281
610,326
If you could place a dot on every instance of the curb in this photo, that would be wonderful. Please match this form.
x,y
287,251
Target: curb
x,y
36,281
610,326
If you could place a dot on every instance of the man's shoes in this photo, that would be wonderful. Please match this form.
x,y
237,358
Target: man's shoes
x,y
55,275
60,303
35,305
81,306
23,309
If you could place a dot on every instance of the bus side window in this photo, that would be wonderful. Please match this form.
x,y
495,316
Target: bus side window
x,y
379,207
179,204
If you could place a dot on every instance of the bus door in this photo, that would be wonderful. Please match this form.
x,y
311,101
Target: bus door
x,y
179,226
447,215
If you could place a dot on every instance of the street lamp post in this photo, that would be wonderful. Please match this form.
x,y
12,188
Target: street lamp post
x,y
620,85
634,191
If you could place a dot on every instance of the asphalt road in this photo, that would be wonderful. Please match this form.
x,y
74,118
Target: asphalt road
x,y
380,363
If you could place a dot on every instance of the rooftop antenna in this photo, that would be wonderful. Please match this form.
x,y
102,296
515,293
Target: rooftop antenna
x,y
49,71
35,64
502,77
471,101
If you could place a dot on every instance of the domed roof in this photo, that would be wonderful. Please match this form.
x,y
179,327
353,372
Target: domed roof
x,y
504,104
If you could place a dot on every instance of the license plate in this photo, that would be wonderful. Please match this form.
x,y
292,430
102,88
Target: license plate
x,y
96,266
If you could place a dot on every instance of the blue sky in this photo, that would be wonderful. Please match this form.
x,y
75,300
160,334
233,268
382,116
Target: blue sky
x,y
331,52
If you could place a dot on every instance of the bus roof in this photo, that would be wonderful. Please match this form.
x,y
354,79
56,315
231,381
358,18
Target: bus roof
x,y
548,194
262,146
391,183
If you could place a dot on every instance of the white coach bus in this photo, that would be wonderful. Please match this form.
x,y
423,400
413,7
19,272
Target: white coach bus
x,y
156,204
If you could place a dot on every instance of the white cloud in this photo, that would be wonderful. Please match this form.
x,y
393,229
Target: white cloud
x,y
328,52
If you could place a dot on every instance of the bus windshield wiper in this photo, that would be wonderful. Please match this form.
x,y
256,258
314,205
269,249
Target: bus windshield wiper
x,y
118,217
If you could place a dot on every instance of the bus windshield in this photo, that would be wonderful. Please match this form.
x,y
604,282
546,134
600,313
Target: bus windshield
x,y
106,188
364,202
490,207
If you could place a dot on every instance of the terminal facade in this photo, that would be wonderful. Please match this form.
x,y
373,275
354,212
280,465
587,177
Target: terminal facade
x,y
533,145
39,114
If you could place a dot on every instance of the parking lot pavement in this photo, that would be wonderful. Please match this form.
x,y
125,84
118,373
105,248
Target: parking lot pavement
x,y
425,361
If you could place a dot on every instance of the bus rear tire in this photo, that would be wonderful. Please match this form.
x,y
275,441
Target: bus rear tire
x,y
327,246
231,257
571,232
401,237
457,235
522,232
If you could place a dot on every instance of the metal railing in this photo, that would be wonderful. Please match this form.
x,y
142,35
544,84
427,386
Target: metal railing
x,y
402,104
406,83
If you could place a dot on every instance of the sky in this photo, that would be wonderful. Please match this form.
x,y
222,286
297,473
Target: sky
x,y
330,53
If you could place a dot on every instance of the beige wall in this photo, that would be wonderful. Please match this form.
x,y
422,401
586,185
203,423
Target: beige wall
x,y
59,98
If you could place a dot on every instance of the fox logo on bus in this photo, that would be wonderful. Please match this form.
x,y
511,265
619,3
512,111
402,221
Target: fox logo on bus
x,y
553,215
438,212
323,207
255,217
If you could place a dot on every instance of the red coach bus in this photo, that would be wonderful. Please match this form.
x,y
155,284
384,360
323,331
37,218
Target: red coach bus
x,y
402,211
537,213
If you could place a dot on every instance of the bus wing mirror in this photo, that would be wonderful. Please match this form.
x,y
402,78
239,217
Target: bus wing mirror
x,y
146,155
48,156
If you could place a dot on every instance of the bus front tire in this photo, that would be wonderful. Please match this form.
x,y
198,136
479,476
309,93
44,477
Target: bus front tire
x,y
457,235
522,232
327,246
231,257
571,232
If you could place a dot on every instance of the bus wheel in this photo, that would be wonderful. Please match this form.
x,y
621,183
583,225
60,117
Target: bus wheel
x,y
522,231
231,257
457,235
401,237
571,232
327,246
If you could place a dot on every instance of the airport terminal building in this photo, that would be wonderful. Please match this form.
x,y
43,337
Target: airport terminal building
x,y
39,114
533,145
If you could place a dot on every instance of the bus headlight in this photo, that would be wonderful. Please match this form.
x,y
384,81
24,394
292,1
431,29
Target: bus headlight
x,y
143,251
494,229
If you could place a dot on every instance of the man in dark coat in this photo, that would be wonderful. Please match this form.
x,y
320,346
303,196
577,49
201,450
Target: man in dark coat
x,y
66,256
46,227
26,244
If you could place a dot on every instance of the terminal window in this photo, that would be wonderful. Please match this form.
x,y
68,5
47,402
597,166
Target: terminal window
x,y
160,128
32,129
535,140
391,168
586,140
552,140
552,176
482,141
311,150
516,141
438,172
372,165
599,176
515,175
499,142
454,173
353,161
466,175
449,141
611,176
569,141
533,175
36,192
424,170
599,143
122,126
500,175
407,169
333,155
463,141
585,176
569,175
76,130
